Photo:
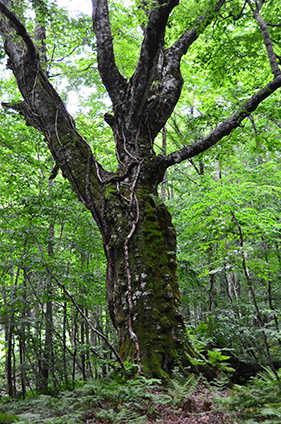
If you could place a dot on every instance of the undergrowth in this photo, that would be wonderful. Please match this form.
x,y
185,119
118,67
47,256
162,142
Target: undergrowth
x,y
118,402
258,401
181,386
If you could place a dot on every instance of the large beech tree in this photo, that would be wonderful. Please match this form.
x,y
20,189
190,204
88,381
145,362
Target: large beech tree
x,y
139,238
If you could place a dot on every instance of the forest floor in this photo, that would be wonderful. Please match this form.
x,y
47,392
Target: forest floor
x,y
198,408
134,402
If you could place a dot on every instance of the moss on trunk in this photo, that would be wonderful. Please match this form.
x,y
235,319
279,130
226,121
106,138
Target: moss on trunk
x,y
147,280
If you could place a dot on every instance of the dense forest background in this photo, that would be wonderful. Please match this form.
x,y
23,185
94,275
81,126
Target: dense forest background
x,y
225,206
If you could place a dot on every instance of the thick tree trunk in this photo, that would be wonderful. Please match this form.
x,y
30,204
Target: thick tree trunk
x,y
143,289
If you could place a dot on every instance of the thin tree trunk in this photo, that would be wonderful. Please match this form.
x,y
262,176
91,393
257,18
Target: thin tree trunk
x,y
64,348
269,288
9,356
253,295
88,357
22,367
83,356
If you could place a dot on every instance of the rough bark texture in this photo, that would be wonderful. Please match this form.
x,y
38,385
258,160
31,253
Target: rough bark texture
x,y
147,314
138,235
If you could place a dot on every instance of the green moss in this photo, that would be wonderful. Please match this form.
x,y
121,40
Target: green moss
x,y
165,322
110,191
157,320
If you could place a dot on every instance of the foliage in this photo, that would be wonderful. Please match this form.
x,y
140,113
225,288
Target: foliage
x,y
7,419
41,228
127,402
181,386
259,401
217,360
210,254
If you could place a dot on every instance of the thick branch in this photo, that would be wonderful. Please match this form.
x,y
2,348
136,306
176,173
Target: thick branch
x,y
25,111
20,29
172,81
114,82
226,127
268,43
151,46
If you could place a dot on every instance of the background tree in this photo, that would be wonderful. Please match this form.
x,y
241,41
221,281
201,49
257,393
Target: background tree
x,y
139,239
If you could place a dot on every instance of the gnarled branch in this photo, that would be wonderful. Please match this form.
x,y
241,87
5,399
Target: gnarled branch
x,y
20,29
267,41
150,50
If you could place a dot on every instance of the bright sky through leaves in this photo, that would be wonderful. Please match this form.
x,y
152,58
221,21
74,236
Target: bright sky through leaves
x,y
76,6
82,6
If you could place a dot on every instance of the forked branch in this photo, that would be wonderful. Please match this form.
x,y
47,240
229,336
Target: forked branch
x,y
152,43
171,80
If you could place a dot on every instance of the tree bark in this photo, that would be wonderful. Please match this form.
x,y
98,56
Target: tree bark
x,y
142,247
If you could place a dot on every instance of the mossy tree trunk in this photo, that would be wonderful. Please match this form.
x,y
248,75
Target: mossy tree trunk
x,y
143,289
138,236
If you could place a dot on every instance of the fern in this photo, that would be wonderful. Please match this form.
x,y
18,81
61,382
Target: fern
x,y
181,386
31,418
127,403
220,383
124,415
67,419
8,419
259,401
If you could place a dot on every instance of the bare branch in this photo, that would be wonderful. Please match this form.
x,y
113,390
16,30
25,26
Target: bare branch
x,y
273,25
226,127
231,15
